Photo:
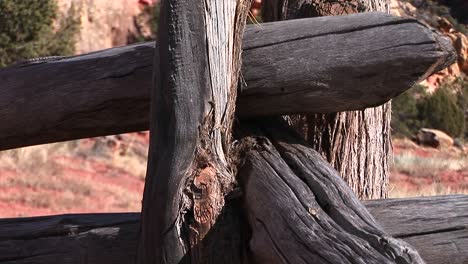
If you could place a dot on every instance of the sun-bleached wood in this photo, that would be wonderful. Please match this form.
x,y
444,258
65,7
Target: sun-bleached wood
x,y
337,136
300,66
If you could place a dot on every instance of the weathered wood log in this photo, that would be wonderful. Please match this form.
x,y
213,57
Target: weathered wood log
x,y
70,239
437,226
190,168
301,211
310,65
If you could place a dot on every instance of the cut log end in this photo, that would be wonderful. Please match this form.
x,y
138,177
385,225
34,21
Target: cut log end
x,y
449,55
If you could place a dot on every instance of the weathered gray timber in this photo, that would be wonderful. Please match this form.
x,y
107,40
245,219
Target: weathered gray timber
x,y
190,168
314,65
337,63
70,239
301,211
96,94
437,226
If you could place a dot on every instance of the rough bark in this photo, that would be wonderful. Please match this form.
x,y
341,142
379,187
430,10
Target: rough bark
x,y
192,110
436,227
356,143
301,211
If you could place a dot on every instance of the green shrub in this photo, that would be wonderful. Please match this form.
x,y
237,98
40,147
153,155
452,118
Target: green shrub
x,y
26,30
462,99
441,111
156,10
405,115
444,110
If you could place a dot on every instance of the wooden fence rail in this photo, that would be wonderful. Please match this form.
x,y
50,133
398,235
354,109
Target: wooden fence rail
x,y
436,226
292,66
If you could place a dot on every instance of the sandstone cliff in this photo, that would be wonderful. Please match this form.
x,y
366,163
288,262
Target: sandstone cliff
x,y
105,24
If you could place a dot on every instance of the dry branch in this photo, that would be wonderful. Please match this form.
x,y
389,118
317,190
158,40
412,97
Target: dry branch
x,y
323,64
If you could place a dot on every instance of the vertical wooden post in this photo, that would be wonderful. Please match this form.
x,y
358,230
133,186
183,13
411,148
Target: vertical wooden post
x,y
192,109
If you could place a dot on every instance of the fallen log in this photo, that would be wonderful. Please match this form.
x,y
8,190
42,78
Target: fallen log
x,y
436,226
324,64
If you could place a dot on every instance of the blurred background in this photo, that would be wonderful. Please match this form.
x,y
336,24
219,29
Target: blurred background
x,y
106,174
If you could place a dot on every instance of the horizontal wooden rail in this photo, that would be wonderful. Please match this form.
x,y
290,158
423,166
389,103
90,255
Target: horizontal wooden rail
x,y
325,64
436,226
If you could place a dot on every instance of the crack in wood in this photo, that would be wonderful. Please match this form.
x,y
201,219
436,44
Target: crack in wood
x,y
338,32
435,231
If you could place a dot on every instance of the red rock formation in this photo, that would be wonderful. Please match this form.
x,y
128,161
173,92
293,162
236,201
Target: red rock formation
x,y
256,7
105,24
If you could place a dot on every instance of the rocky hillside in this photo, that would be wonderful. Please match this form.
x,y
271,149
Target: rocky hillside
x,y
104,174
106,24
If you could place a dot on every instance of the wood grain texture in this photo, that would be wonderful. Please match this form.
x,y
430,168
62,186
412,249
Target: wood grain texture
x,y
441,235
192,110
336,63
301,211
100,93
298,66
438,229
70,239
276,10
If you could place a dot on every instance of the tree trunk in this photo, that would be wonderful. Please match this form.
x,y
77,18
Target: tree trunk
x,y
356,143
192,108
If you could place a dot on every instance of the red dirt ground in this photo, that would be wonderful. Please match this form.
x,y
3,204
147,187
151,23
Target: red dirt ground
x,y
107,175
445,181
76,183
